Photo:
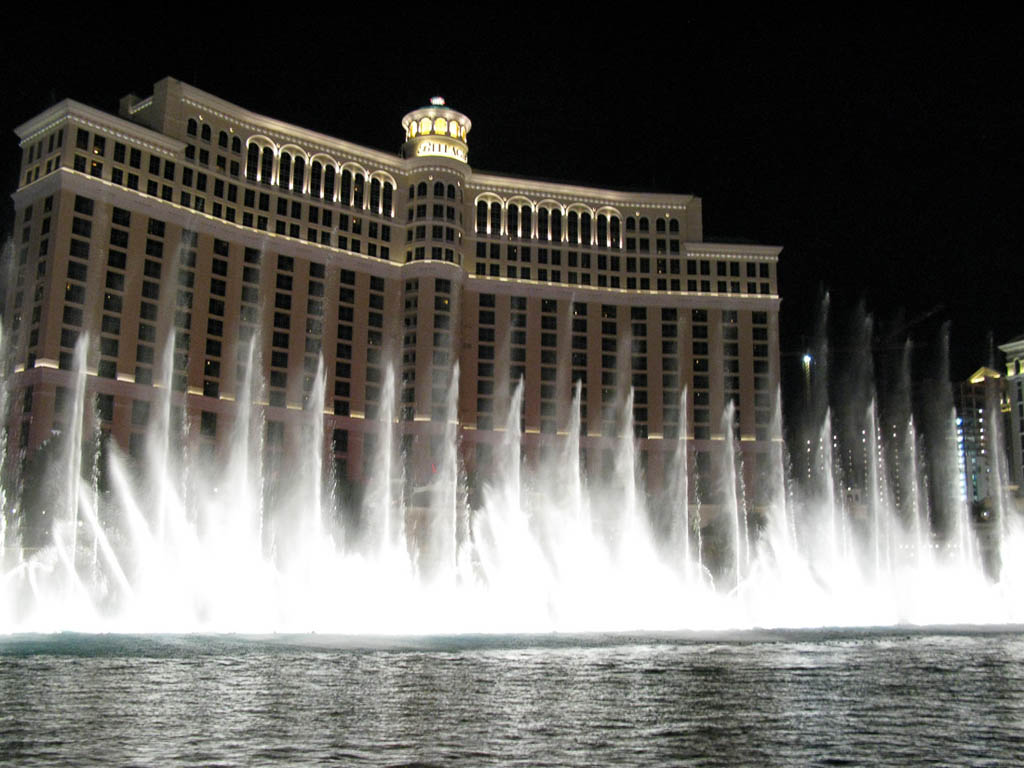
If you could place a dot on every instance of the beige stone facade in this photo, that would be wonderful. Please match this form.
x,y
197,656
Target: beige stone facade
x,y
188,218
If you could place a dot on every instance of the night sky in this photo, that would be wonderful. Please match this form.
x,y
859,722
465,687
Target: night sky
x,y
887,164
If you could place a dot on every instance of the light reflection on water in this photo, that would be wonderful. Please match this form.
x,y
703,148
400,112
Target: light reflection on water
x,y
798,698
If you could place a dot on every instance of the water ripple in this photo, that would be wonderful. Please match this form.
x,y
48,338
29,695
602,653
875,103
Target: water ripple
x,y
861,699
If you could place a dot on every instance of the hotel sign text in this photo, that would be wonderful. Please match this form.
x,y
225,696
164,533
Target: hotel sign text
x,y
435,148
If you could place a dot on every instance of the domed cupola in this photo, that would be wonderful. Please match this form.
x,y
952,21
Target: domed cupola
x,y
436,131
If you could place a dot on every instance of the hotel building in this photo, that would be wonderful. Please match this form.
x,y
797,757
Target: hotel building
x,y
982,419
1014,351
186,217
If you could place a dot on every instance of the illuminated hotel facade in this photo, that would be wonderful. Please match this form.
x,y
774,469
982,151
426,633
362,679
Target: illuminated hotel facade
x,y
190,218
1014,352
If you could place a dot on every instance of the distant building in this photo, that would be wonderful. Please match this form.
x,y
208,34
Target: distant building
x,y
1014,351
980,403
191,218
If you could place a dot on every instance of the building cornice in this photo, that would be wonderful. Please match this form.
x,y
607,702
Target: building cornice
x,y
516,186
731,250
285,132
1013,347
69,111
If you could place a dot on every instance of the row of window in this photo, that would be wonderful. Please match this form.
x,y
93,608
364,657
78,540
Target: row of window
x,y
324,181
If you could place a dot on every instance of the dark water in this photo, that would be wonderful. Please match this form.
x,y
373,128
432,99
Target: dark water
x,y
779,698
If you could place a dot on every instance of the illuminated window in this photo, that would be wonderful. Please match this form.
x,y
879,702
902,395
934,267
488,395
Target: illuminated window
x,y
357,190
440,125
315,177
481,217
453,128
345,196
495,218
285,170
267,166
425,125
375,195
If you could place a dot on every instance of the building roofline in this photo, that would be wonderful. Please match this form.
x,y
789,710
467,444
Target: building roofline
x,y
733,249
262,123
96,119
524,186
1013,344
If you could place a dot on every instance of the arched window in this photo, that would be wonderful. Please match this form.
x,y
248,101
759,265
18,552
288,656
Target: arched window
x,y
375,195
495,218
513,220
222,139
542,223
630,224
556,225
673,225
412,191
345,196
316,172
329,183
644,224
573,227
438,189
193,127
451,191
616,236
358,187
659,225
481,217
602,231
526,222
389,208
252,162
421,189
267,166
585,229
206,132
236,144
284,170
299,175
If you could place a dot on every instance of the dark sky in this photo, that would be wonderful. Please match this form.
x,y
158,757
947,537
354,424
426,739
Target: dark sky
x,y
887,163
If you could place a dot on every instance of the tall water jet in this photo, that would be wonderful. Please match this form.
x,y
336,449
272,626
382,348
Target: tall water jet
x,y
629,522
246,446
732,503
314,447
679,498
73,460
571,458
438,553
382,502
878,509
916,503
963,538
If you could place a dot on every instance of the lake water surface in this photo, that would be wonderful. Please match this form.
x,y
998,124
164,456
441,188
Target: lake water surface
x,y
868,697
